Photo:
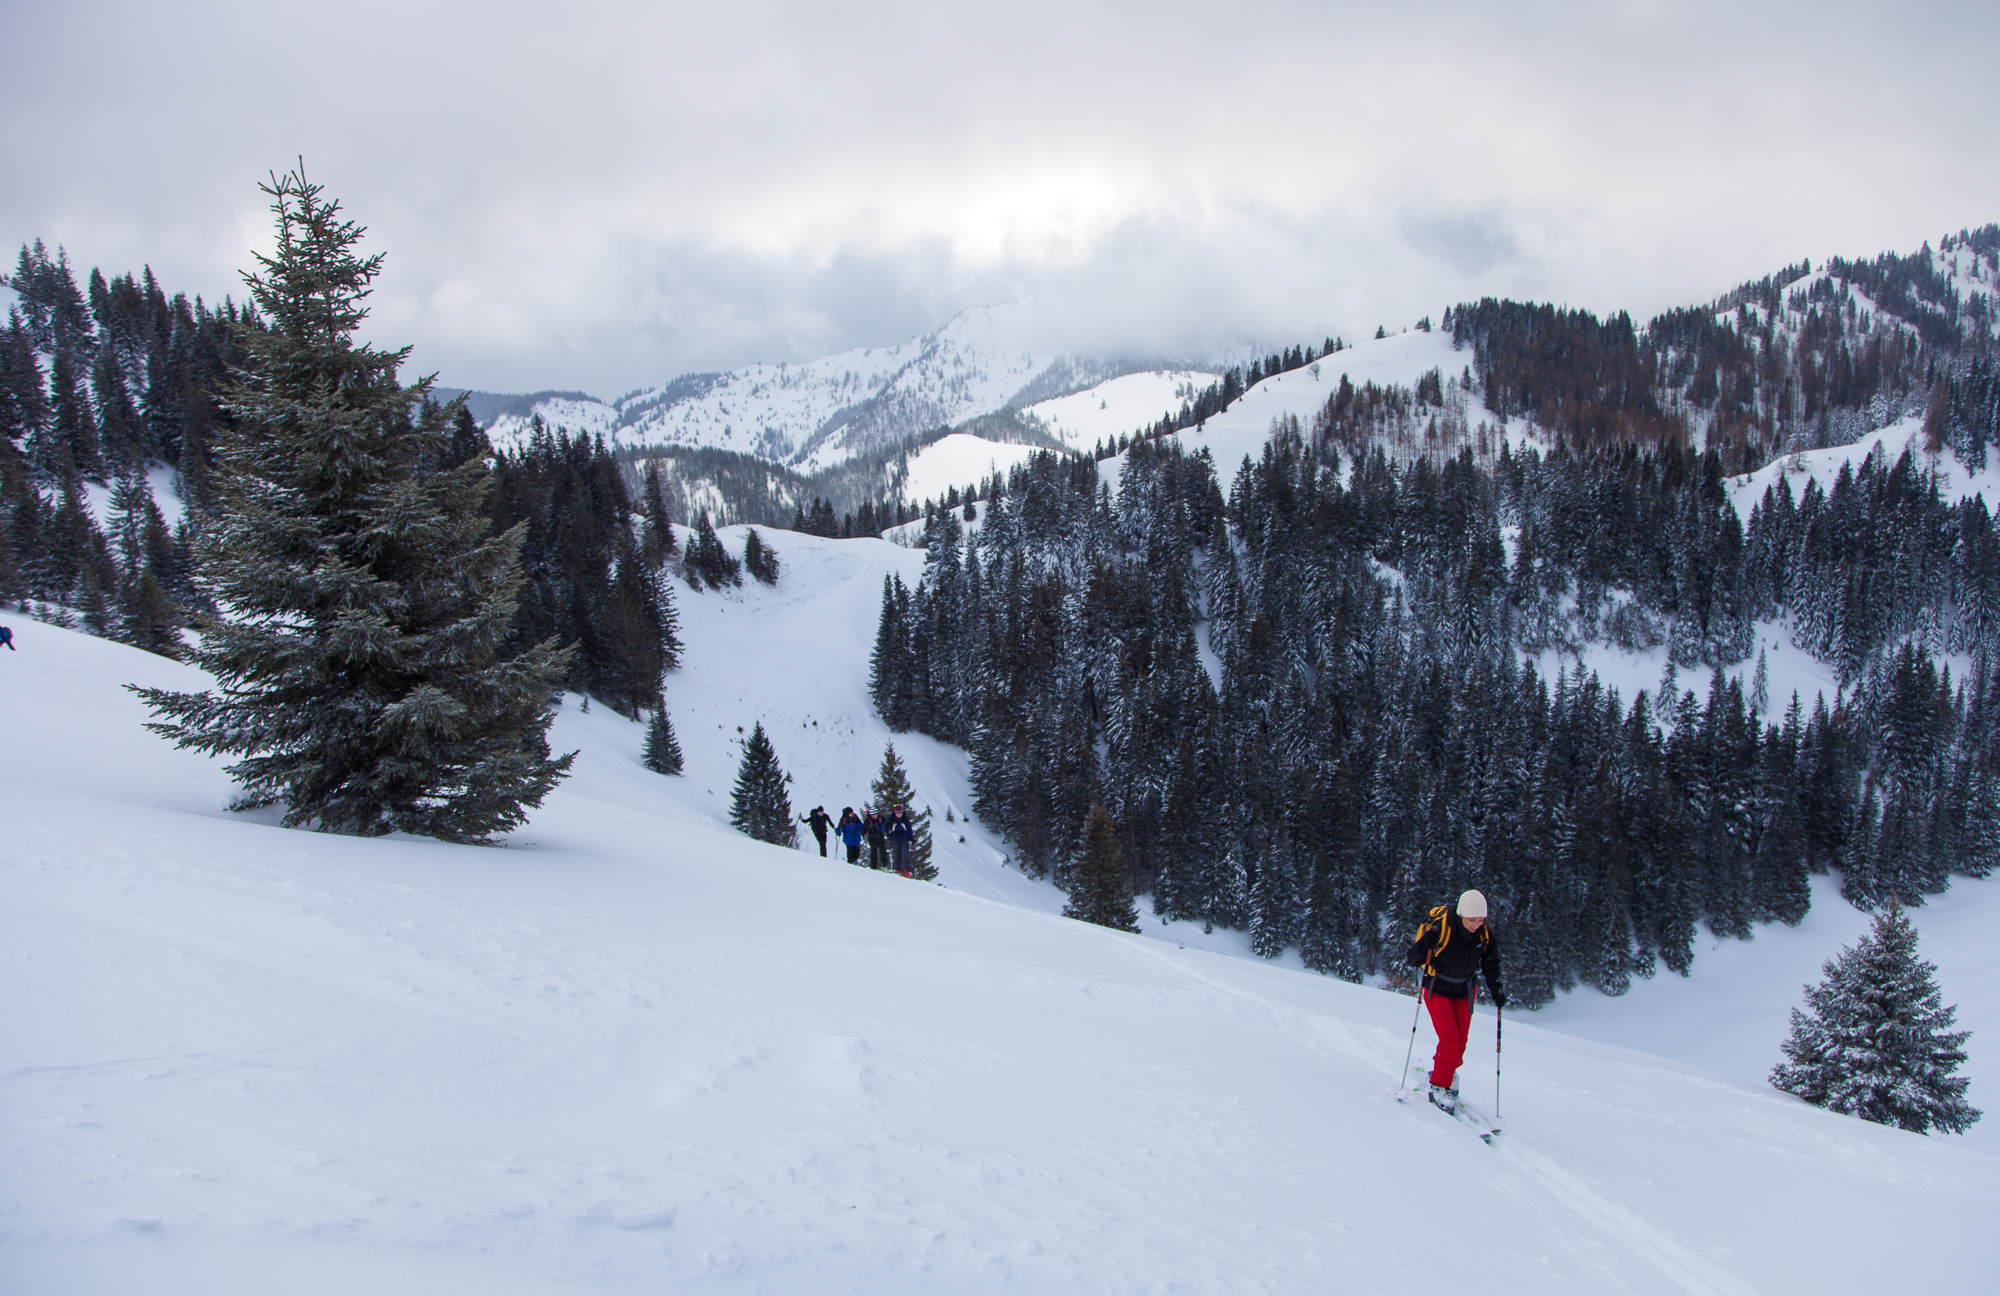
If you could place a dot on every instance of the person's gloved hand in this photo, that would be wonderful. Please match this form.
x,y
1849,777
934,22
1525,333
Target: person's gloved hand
x,y
1499,998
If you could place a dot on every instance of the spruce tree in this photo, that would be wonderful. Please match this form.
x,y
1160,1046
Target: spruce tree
x,y
366,600
663,750
760,805
707,560
758,557
1100,888
892,788
1878,1042
659,530
889,666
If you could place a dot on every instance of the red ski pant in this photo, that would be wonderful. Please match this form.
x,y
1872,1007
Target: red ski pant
x,y
1453,1020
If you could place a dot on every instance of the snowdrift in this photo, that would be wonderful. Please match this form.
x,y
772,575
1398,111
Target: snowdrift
x,y
634,1051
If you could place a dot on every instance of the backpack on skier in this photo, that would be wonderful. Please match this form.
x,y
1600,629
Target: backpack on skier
x,y
1439,927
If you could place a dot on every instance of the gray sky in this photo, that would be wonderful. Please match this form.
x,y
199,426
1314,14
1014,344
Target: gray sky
x,y
603,194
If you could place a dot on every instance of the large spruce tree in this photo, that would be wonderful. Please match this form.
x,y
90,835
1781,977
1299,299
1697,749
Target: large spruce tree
x,y
1878,1042
760,804
365,602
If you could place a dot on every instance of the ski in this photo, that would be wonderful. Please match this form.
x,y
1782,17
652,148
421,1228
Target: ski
x,y
1466,1115
1475,1120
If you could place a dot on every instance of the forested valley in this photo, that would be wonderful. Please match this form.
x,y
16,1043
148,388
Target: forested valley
x,y
1302,686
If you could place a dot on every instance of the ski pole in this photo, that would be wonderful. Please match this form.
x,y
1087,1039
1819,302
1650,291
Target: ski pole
x,y
1403,1084
1499,1024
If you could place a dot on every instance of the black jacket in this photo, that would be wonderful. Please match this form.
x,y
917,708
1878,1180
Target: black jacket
x,y
1448,971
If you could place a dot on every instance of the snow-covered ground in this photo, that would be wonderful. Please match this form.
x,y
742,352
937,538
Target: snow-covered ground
x,y
960,460
1729,1016
633,1051
1118,407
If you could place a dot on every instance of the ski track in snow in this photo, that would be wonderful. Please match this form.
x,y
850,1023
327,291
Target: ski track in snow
x,y
1620,1225
1688,1271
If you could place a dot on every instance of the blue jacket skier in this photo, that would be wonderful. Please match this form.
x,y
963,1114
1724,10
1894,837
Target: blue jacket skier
x,y
851,831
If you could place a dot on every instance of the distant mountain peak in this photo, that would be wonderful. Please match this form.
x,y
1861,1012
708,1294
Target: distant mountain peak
x,y
822,413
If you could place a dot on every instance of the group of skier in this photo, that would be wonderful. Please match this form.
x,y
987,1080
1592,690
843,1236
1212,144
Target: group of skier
x,y
1452,947
887,836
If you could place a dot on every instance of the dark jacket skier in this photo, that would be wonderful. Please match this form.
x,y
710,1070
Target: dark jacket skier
x,y
902,831
851,830
7,637
1452,946
878,845
819,820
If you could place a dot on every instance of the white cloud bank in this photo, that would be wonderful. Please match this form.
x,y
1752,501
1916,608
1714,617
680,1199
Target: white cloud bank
x,y
603,195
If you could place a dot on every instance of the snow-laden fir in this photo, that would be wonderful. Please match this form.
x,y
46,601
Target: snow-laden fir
x,y
633,1050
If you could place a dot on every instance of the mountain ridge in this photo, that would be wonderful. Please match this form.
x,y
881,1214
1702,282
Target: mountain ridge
x,y
817,415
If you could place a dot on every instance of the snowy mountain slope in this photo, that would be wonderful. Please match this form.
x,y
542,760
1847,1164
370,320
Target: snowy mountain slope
x,y
1243,428
1936,303
1955,480
960,460
635,1049
816,415
1119,407
1966,270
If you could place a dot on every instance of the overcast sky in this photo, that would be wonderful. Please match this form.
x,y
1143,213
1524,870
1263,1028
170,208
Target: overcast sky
x,y
603,194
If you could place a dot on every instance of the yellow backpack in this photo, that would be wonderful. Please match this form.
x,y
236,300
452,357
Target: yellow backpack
x,y
1441,918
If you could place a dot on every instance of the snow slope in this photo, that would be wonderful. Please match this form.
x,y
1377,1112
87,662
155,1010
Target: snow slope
x,y
1955,480
634,1051
1731,1014
960,460
1243,428
1118,407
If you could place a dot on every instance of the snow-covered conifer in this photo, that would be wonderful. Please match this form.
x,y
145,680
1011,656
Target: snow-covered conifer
x,y
659,538
359,663
760,806
663,750
758,557
1877,1042
706,559
892,788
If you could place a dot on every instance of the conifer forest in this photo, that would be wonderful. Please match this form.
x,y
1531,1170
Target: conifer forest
x,y
1365,735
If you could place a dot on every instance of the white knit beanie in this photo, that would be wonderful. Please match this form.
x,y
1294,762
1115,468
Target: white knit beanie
x,y
1472,905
